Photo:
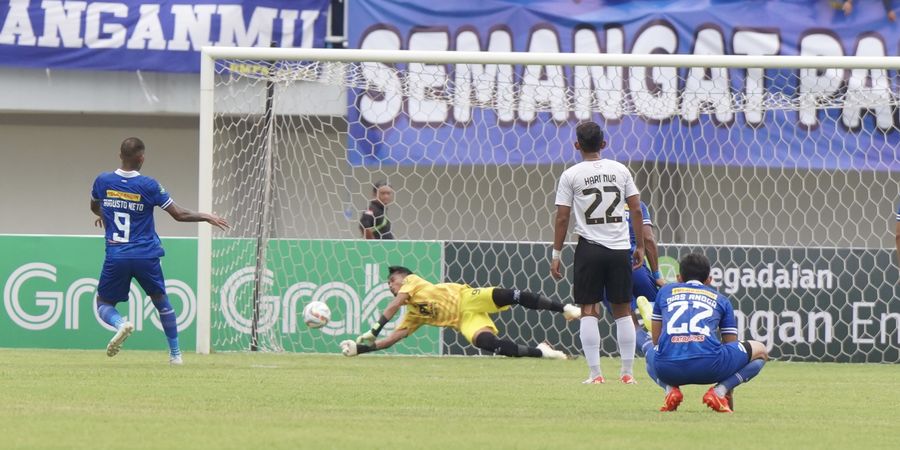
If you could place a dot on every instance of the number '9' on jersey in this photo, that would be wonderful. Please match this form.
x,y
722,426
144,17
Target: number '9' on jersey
x,y
127,199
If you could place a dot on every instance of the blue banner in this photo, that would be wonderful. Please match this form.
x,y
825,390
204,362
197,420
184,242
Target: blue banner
x,y
154,35
765,118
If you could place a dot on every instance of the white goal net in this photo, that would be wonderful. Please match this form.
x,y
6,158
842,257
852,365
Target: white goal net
x,y
783,170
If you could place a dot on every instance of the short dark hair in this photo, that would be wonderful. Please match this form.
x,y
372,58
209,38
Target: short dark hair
x,y
131,147
694,266
378,185
398,270
590,137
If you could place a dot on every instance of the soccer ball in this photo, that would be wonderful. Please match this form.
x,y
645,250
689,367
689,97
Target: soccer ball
x,y
316,314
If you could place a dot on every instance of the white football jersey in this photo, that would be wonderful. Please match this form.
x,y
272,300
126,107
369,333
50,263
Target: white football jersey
x,y
596,192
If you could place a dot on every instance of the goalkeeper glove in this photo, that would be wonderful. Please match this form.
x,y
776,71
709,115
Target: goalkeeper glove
x,y
348,348
367,338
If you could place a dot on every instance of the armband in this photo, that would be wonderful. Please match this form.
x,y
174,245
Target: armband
x,y
657,275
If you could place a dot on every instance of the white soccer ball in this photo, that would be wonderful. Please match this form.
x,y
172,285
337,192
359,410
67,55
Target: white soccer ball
x,y
316,314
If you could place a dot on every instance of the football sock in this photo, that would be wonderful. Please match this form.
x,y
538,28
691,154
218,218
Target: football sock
x,y
491,343
110,315
504,297
626,338
170,327
590,344
742,376
642,337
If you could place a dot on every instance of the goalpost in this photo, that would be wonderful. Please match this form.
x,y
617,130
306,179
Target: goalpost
x,y
782,169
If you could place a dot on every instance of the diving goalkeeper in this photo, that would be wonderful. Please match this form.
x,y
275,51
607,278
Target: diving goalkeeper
x,y
456,306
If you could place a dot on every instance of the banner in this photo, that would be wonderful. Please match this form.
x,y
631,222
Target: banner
x,y
154,35
804,304
50,286
533,122
349,276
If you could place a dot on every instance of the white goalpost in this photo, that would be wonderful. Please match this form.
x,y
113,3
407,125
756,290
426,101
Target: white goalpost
x,y
783,169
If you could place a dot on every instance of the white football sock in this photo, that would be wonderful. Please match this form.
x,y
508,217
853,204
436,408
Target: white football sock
x,y
720,390
625,338
590,343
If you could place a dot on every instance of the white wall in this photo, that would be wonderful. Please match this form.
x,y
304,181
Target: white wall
x,y
48,163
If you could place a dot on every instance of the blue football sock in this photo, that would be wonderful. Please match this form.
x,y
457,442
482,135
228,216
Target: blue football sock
x,y
641,339
170,327
110,315
742,376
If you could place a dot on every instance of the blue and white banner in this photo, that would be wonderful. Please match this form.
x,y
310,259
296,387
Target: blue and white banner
x,y
723,117
155,35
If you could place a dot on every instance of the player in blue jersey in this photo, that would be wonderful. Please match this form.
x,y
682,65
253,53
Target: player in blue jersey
x,y
686,318
123,201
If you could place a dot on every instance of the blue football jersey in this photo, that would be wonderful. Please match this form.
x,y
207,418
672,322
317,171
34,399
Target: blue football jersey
x,y
691,313
126,202
647,221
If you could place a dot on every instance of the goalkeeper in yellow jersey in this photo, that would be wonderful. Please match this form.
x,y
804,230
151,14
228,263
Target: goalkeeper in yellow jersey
x,y
456,306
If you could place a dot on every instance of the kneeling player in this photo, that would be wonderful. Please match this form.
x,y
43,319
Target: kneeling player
x,y
456,306
685,318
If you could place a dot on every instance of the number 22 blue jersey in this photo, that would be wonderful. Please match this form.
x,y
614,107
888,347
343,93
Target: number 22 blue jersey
x,y
691,313
126,201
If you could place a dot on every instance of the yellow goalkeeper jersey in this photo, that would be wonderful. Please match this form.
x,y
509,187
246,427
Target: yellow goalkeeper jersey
x,y
430,304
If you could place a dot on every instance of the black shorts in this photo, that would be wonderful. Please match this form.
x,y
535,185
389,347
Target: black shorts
x,y
598,268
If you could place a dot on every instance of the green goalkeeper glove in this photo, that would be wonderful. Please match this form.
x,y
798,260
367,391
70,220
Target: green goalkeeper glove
x,y
367,338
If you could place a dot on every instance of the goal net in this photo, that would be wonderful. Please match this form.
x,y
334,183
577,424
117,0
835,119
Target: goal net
x,y
783,170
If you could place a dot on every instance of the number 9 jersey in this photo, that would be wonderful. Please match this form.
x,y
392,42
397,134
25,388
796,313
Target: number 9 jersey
x,y
691,314
127,199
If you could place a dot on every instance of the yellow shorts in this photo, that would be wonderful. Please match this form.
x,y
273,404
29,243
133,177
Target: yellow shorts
x,y
475,305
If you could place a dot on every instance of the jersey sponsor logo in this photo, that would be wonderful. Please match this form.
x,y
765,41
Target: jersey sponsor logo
x,y
684,339
132,197
687,290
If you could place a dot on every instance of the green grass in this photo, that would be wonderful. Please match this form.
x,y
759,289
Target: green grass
x,y
82,399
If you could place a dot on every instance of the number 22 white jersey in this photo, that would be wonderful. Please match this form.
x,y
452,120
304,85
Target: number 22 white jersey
x,y
596,192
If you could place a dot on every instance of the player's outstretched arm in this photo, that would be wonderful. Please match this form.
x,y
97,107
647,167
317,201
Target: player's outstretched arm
x,y
560,228
185,215
352,348
368,337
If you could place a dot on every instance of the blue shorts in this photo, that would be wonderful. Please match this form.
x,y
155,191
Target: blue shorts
x,y
115,279
714,368
642,283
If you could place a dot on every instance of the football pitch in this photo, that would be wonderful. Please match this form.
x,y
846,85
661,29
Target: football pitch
x,y
82,399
